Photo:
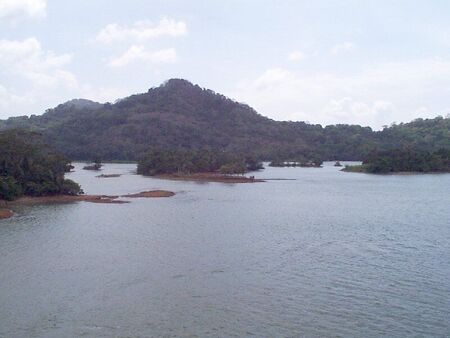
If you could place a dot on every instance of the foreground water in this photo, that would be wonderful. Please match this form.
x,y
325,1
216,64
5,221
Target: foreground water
x,y
329,254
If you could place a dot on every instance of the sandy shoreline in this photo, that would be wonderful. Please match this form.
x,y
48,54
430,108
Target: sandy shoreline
x,y
107,199
151,194
5,213
209,177
26,200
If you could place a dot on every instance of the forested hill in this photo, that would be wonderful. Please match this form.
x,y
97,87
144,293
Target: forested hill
x,y
179,114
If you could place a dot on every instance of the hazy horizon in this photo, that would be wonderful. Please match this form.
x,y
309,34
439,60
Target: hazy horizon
x,y
371,63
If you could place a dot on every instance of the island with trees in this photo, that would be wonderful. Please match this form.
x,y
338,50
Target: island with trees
x,y
404,161
198,165
96,165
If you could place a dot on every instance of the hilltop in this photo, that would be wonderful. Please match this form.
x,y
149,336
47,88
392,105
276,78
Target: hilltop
x,y
179,114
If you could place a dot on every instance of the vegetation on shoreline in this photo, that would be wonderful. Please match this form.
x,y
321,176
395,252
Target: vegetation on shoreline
x,y
29,167
404,160
315,163
162,162
358,168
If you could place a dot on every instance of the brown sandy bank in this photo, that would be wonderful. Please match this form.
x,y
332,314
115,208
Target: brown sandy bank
x,y
68,199
209,177
112,199
5,213
151,194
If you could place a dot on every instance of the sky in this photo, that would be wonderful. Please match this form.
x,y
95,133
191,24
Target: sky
x,y
349,61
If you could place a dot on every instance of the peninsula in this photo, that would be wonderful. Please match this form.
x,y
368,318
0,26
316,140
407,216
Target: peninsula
x,y
404,161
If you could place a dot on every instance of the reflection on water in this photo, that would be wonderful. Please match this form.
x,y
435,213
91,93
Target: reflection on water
x,y
327,254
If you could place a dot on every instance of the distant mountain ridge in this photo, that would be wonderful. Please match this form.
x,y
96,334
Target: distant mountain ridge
x,y
179,114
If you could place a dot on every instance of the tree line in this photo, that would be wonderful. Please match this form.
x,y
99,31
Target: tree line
x,y
405,160
29,167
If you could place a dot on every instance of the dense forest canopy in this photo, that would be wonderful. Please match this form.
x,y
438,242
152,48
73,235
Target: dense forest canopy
x,y
404,160
180,115
164,161
29,167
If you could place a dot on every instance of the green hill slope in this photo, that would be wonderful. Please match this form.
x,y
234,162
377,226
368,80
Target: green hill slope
x,y
178,114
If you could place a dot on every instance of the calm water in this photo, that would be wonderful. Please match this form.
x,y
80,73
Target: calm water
x,y
330,254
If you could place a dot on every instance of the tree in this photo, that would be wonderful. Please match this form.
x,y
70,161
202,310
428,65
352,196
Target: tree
x,y
28,166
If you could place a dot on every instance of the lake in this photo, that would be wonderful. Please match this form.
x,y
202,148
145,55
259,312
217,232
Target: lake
x,y
326,254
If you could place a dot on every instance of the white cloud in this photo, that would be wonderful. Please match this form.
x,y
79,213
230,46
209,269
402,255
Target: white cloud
x,y
142,30
272,78
8,100
27,59
342,47
296,56
347,109
18,9
139,53
99,93
34,76
375,96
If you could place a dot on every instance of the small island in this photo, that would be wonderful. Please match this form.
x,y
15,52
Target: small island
x,y
151,194
198,165
404,161
96,165
108,175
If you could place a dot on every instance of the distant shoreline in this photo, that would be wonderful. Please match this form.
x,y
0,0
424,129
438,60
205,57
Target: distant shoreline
x,y
393,173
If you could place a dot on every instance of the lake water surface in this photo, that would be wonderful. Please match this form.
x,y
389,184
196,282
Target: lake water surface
x,y
329,254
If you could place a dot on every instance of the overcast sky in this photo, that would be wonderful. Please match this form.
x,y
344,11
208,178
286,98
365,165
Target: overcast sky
x,y
346,61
